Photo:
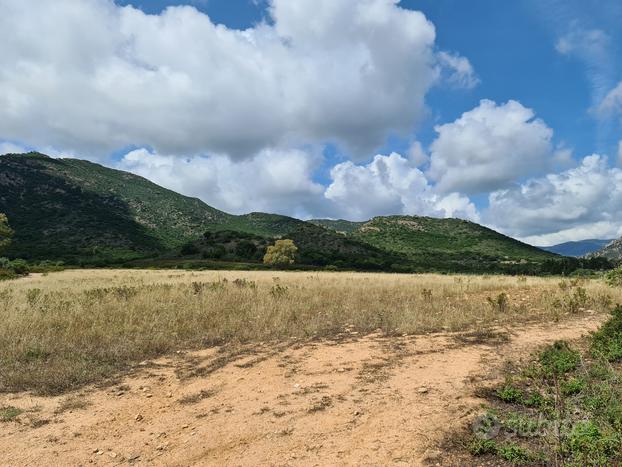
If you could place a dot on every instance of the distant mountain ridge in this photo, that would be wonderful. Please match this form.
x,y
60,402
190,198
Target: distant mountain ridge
x,y
79,211
578,248
612,251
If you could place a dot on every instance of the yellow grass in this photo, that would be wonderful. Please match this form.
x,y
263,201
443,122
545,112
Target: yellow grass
x,y
67,329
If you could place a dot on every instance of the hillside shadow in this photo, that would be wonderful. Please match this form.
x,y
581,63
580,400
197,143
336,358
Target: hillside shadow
x,y
55,219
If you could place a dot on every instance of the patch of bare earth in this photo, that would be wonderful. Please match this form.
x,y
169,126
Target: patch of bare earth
x,y
367,400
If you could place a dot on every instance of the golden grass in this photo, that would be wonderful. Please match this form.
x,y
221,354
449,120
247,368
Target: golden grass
x,y
70,328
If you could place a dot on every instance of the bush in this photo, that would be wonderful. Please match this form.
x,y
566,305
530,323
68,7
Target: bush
x,y
559,359
614,278
607,341
19,266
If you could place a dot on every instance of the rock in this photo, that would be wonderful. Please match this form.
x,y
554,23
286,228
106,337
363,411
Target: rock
x,y
113,454
422,390
184,427
340,370
138,417
148,395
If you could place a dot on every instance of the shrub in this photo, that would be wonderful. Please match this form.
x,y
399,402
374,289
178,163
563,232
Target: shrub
x,y
614,278
559,359
607,341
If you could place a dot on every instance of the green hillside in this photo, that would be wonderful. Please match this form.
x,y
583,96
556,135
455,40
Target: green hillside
x,y
323,247
448,244
339,225
84,213
73,209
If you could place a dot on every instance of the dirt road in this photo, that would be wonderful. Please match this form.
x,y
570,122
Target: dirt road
x,y
359,400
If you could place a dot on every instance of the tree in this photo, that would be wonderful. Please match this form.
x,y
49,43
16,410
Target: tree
x,y
281,253
5,232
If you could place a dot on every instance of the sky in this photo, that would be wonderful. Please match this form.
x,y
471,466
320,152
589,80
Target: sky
x,y
505,113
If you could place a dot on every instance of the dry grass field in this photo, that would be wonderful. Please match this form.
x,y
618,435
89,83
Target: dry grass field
x,y
67,329
111,367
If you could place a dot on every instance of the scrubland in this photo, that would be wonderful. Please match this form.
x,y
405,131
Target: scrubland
x,y
64,330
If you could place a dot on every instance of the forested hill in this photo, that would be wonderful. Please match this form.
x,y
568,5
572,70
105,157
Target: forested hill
x,y
83,213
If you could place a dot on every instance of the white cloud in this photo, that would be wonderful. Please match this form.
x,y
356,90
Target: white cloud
x,y
582,202
584,42
489,147
273,181
461,73
90,77
417,154
7,147
612,103
390,185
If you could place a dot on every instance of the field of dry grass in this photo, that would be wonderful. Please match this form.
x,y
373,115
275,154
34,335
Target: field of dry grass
x,y
67,329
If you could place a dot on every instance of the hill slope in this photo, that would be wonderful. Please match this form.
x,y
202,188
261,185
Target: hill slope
x,y
69,208
612,251
448,244
82,212
577,249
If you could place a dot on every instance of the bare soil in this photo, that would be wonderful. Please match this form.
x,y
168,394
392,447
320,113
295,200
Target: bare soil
x,y
367,400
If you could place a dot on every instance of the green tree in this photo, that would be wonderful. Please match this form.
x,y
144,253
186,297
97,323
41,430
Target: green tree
x,y
5,232
281,253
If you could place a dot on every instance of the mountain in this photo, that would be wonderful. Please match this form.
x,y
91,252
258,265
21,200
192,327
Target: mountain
x,y
452,244
612,251
84,213
70,209
339,225
577,249
448,244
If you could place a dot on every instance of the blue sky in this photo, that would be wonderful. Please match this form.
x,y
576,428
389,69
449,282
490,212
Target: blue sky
x,y
505,113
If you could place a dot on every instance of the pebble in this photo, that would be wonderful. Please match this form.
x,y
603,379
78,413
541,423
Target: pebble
x,y
422,390
138,417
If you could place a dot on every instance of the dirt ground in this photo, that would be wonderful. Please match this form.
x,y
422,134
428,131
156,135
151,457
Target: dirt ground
x,y
355,401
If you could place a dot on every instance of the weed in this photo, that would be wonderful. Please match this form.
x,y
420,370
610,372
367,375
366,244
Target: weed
x,y
500,303
572,386
558,359
9,413
480,447
515,454
72,403
510,394
199,396
607,341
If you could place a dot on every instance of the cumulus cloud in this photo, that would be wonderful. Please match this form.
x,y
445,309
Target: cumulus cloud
x,y
582,202
91,77
273,181
390,184
489,147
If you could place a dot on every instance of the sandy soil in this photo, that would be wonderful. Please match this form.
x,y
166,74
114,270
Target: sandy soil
x,y
355,401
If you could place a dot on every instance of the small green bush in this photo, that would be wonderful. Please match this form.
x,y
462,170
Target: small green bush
x,y
559,359
607,341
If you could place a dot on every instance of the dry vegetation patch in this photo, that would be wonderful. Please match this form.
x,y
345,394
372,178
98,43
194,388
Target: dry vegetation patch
x,y
67,329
